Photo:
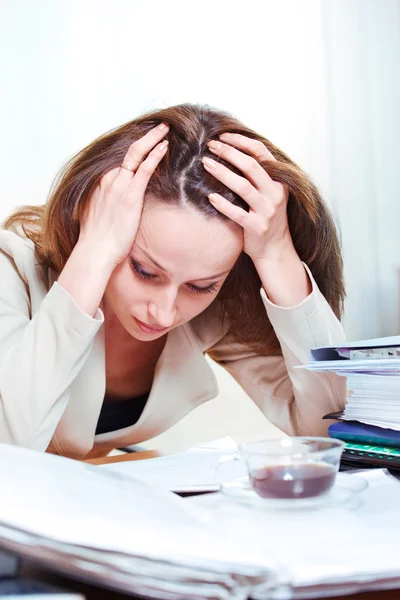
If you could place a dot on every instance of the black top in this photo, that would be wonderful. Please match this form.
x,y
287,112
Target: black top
x,y
119,414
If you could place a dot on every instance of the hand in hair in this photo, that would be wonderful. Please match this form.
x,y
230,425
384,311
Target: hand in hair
x,y
265,226
114,211
267,238
110,222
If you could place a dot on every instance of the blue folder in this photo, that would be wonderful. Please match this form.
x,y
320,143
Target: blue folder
x,y
353,431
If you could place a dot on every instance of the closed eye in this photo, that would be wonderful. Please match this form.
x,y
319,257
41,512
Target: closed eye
x,y
199,290
140,272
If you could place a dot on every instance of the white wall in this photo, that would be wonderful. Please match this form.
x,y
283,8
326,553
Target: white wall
x,y
75,68
362,44
320,78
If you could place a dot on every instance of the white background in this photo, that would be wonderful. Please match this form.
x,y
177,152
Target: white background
x,y
320,78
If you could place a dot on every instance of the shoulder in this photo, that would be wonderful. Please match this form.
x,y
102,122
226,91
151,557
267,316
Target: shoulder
x,y
20,250
19,262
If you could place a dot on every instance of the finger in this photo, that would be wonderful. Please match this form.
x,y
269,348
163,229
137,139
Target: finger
x,y
108,178
139,149
236,183
235,213
248,165
146,169
112,181
253,147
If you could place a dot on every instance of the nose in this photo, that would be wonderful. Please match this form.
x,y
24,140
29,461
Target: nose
x,y
162,308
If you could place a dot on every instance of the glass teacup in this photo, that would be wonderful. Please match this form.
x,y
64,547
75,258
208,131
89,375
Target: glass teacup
x,y
288,468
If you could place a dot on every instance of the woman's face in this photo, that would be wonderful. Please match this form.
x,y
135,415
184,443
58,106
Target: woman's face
x,y
175,269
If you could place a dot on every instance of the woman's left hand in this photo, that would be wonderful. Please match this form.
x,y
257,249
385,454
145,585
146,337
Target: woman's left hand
x,y
267,238
266,229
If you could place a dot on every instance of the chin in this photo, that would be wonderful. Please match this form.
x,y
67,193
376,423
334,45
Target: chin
x,y
141,336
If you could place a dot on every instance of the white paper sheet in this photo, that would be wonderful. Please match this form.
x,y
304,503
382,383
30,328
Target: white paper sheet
x,y
205,547
385,366
187,471
325,547
373,389
81,504
354,542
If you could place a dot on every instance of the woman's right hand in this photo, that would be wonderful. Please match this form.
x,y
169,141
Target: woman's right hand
x,y
111,222
112,219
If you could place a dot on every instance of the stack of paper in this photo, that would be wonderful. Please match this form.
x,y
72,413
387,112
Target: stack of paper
x,y
339,549
117,531
374,399
317,553
84,520
372,371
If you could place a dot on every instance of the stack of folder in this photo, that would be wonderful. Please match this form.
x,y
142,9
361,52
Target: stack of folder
x,y
370,422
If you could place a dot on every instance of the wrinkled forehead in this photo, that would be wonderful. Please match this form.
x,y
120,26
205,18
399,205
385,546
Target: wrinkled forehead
x,y
186,242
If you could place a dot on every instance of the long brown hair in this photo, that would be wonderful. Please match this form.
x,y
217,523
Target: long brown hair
x,y
180,177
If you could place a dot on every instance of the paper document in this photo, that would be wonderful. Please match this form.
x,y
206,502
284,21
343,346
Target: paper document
x,y
188,471
386,366
85,520
147,541
372,371
327,550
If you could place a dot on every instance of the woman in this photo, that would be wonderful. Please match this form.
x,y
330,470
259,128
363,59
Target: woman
x,y
151,251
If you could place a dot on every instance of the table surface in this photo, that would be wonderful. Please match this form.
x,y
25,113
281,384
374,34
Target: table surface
x,y
123,457
92,592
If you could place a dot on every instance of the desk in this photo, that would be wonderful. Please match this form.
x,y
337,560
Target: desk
x,y
104,460
35,570
381,595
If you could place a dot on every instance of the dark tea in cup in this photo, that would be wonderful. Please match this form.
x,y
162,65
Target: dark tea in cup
x,y
305,480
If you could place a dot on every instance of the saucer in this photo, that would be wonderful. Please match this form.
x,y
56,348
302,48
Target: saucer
x,y
344,490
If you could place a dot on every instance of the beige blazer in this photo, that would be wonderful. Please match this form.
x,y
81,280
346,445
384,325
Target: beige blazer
x,y
52,365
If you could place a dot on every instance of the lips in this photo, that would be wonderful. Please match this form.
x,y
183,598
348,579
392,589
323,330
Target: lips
x,y
148,328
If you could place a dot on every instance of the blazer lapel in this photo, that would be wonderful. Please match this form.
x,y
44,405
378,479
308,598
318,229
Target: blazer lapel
x,y
183,380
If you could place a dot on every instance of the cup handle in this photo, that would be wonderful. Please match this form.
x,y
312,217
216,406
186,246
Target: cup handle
x,y
235,482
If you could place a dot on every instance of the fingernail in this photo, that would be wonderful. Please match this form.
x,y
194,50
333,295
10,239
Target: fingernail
x,y
163,145
214,145
213,198
225,135
163,127
208,162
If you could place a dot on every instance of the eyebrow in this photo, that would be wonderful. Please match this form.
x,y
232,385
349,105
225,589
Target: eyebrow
x,y
155,263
